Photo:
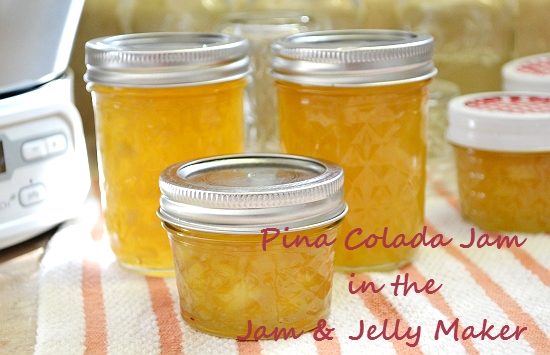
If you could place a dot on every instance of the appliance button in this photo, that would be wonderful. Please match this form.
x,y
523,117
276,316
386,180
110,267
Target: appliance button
x,y
34,149
56,143
32,194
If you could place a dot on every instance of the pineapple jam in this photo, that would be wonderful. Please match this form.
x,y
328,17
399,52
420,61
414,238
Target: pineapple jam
x,y
503,159
377,135
344,96
139,133
225,280
252,239
504,191
156,108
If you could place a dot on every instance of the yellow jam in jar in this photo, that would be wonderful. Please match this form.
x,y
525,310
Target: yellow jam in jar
x,y
377,135
226,280
150,114
140,132
503,159
504,191
253,241
374,127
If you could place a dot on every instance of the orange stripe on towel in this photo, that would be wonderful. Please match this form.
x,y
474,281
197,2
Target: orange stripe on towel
x,y
534,335
169,330
522,256
249,348
382,309
441,304
328,347
526,260
94,309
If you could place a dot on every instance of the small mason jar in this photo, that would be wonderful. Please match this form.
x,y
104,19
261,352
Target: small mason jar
x,y
360,98
502,154
159,98
252,240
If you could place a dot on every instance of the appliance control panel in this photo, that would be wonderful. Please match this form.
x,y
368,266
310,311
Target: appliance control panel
x,y
44,175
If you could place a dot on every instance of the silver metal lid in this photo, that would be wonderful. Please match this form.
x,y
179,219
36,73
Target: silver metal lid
x,y
353,58
165,59
246,193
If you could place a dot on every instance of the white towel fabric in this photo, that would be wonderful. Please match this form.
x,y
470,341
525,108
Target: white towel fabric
x,y
89,305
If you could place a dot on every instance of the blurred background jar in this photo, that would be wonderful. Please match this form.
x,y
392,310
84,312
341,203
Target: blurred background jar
x,y
260,28
335,14
473,38
441,92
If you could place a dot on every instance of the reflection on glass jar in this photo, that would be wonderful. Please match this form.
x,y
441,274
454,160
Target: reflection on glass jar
x,y
473,38
156,101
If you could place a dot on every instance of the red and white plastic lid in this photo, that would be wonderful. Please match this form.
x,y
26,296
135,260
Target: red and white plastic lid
x,y
501,121
527,74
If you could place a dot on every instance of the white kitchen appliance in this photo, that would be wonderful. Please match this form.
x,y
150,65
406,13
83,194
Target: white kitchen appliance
x,y
44,174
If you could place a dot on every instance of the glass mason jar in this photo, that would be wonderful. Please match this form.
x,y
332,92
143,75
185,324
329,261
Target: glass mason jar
x,y
159,98
261,28
473,38
360,98
332,14
233,223
502,154
441,92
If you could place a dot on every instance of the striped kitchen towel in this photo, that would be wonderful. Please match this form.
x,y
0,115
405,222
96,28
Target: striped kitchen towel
x,y
495,301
